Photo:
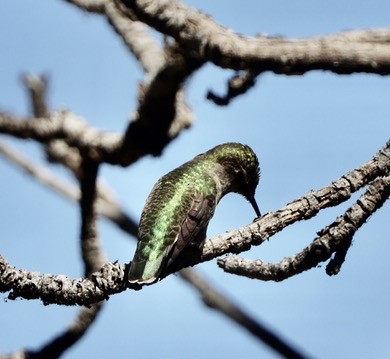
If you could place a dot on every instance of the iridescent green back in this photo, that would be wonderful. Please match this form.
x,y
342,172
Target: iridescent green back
x,y
165,210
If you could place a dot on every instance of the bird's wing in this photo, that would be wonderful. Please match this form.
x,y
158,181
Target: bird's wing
x,y
194,225
187,225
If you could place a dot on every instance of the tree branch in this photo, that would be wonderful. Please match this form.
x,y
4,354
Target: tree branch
x,y
304,208
106,206
81,147
58,345
238,85
62,125
332,238
59,289
153,125
21,281
37,88
135,36
163,112
142,137
96,6
110,279
93,256
215,300
210,296
148,127
344,53
93,259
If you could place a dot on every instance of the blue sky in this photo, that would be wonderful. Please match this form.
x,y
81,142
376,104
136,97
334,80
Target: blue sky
x,y
307,131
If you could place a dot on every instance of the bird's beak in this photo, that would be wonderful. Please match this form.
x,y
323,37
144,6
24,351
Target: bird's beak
x,y
254,205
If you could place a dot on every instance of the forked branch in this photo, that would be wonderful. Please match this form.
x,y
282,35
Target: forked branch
x,y
110,278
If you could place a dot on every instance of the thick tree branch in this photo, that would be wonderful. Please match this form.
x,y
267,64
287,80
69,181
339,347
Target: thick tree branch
x,y
111,278
135,36
149,131
142,137
59,289
66,126
338,235
167,65
153,125
163,112
367,51
162,108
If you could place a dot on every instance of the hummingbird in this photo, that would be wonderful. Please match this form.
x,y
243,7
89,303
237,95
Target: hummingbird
x,y
181,204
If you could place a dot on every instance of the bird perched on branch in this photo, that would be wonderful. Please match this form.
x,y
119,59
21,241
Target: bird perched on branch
x,y
181,204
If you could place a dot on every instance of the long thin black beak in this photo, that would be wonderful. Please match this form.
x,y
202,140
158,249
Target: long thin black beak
x,y
255,206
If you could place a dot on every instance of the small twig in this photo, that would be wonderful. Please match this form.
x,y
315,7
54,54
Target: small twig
x,y
238,85
338,234
215,300
41,173
335,263
56,150
37,87
96,6
106,206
